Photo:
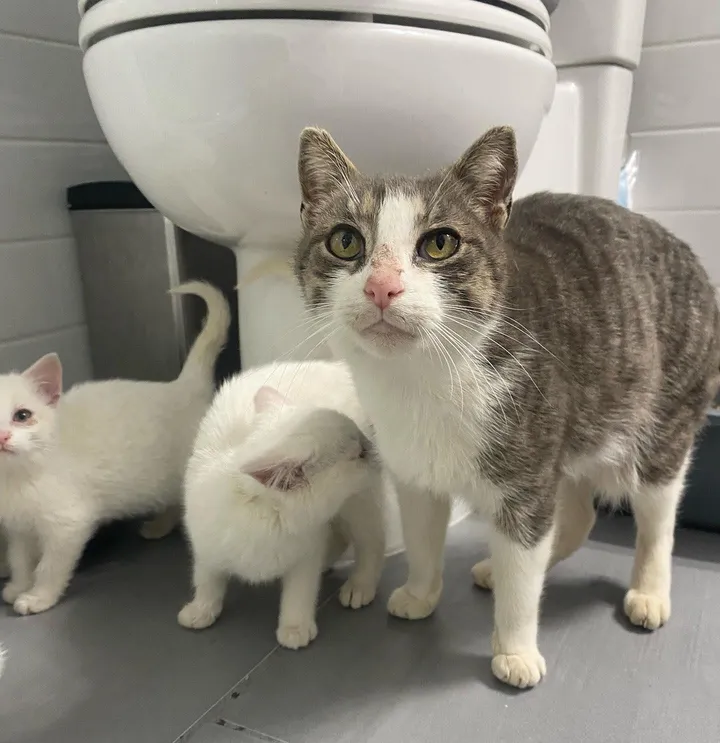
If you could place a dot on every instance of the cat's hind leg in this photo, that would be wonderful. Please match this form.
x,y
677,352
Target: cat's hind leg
x,y
162,523
647,603
207,604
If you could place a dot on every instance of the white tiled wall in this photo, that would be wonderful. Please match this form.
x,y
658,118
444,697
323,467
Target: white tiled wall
x,y
675,122
49,139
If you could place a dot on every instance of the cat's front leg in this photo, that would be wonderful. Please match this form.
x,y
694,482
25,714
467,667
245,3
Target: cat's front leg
x,y
21,555
61,548
520,545
298,602
4,563
425,518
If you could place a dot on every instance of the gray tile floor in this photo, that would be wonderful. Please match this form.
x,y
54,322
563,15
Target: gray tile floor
x,y
110,665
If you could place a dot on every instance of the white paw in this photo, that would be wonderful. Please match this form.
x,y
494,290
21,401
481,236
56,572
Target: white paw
x,y
646,610
482,575
197,616
156,528
405,605
357,592
523,670
12,591
296,636
34,603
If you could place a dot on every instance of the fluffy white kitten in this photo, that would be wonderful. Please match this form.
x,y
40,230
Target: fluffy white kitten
x,y
280,480
104,451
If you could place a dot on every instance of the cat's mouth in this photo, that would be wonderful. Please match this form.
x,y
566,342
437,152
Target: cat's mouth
x,y
385,330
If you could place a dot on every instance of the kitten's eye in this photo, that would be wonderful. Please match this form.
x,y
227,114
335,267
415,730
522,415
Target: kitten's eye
x,y
346,243
22,415
438,245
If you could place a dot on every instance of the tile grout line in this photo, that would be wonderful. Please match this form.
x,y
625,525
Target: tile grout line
x,y
202,719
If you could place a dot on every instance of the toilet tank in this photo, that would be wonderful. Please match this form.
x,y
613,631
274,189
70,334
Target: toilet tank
x,y
597,32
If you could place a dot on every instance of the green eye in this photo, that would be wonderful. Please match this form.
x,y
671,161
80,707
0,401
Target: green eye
x,y
346,243
438,245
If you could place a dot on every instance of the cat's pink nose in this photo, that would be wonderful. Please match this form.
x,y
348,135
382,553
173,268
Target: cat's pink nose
x,y
5,436
383,288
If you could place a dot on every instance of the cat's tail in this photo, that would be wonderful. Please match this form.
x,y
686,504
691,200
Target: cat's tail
x,y
210,342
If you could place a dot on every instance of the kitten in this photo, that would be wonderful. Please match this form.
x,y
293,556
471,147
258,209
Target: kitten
x,y
104,451
527,360
278,482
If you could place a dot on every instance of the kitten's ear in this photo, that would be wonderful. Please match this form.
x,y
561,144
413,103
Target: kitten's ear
x,y
46,375
489,168
267,398
285,475
322,167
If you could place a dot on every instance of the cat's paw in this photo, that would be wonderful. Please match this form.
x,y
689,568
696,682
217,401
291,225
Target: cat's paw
x,y
34,603
296,636
197,616
357,592
522,670
12,591
482,575
647,610
405,605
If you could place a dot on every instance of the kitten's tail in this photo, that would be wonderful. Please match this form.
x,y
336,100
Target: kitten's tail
x,y
213,336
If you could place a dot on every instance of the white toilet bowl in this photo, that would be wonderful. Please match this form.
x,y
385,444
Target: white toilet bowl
x,y
203,102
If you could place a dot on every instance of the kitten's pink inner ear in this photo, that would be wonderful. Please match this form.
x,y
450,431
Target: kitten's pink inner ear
x,y
46,375
267,398
284,476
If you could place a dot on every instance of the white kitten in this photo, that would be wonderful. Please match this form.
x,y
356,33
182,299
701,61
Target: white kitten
x,y
106,450
276,480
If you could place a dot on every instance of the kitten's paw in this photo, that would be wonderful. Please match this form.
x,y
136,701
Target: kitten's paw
x,y
197,616
33,603
522,670
647,610
405,605
12,591
357,592
482,575
296,636
157,528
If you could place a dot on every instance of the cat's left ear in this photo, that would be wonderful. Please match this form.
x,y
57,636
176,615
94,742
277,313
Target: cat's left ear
x,y
46,376
285,474
268,398
322,168
489,168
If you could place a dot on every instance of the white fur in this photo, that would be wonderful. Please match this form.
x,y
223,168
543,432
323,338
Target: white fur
x,y
240,527
109,450
434,415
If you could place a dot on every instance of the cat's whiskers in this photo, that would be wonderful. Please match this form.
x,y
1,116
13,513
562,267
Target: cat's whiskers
x,y
443,353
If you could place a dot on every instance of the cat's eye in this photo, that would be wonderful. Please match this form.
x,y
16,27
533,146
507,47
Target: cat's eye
x,y
346,243
22,415
438,245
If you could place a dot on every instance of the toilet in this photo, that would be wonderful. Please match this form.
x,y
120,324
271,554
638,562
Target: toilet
x,y
203,101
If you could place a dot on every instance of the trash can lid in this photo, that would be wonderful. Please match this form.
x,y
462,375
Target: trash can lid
x,y
106,195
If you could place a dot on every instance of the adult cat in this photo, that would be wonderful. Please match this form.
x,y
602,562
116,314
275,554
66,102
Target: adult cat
x,y
524,360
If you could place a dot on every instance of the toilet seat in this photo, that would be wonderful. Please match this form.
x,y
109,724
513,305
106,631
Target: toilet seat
x,y
522,23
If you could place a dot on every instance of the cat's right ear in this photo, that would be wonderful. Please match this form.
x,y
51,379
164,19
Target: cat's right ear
x,y
46,376
322,167
268,398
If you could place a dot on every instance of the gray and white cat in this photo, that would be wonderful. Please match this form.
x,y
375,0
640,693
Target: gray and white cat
x,y
105,450
525,360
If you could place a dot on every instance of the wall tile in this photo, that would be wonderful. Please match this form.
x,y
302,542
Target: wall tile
x,y
71,344
43,93
672,87
33,178
46,19
672,20
39,287
677,170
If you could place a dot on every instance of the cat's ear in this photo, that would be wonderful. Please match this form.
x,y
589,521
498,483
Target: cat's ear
x,y
322,168
46,376
489,169
268,398
285,474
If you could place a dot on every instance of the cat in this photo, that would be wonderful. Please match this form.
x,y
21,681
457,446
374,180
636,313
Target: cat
x,y
525,356
280,480
105,450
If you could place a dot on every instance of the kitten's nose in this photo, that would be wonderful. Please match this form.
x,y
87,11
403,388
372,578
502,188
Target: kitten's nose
x,y
383,288
4,437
